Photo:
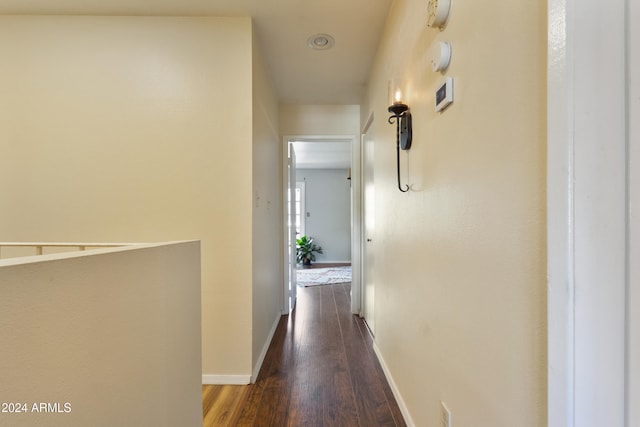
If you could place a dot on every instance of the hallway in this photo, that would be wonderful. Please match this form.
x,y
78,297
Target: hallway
x,y
320,370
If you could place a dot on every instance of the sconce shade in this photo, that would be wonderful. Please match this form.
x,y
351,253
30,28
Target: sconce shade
x,y
396,92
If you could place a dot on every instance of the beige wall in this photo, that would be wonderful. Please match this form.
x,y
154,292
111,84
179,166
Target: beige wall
x,y
135,129
111,337
318,120
460,282
266,243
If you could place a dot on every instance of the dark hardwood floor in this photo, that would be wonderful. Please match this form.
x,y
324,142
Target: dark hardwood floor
x,y
320,370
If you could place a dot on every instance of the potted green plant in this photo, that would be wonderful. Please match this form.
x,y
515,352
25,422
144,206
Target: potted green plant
x,y
305,249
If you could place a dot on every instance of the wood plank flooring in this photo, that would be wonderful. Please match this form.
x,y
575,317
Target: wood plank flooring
x,y
320,370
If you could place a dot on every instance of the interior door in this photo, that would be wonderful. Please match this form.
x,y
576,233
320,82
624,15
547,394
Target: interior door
x,y
368,211
291,288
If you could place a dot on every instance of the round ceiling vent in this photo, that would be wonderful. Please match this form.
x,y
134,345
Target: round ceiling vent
x,y
321,42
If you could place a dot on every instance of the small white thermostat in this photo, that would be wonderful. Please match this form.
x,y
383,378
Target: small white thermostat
x,y
444,94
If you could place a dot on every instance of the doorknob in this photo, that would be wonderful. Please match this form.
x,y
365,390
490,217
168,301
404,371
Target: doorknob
x,y
368,239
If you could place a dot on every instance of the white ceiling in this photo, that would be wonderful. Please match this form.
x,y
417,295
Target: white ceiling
x,y
301,75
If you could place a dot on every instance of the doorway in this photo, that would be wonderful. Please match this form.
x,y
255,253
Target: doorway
x,y
320,158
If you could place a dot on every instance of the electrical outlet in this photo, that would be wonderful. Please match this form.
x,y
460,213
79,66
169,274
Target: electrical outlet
x,y
445,414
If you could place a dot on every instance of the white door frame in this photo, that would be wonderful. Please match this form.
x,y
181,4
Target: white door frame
x,y
355,207
587,216
288,193
302,185
363,237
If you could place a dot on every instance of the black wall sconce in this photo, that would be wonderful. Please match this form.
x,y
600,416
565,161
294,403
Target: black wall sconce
x,y
402,117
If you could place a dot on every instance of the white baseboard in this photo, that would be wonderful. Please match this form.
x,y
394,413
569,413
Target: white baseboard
x,y
226,379
328,261
244,379
263,353
394,388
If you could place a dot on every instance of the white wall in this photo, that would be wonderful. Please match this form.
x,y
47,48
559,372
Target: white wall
x,y
135,129
115,333
328,204
460,270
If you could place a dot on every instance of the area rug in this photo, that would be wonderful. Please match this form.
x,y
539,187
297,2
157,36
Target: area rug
x,y
323,276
